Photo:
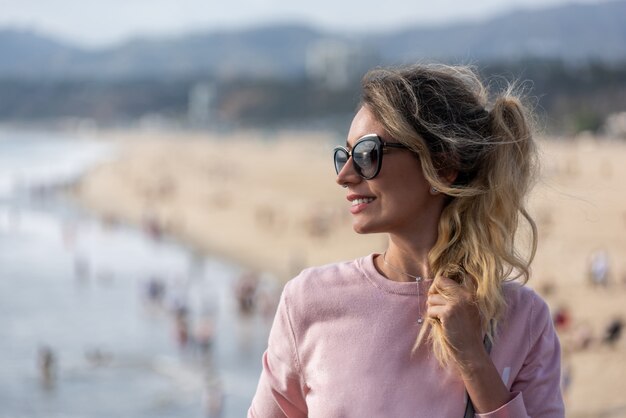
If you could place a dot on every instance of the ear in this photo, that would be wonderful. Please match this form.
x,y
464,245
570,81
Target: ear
x,y
448,175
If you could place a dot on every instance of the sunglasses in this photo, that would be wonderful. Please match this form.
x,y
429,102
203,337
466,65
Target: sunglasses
x,y
367,155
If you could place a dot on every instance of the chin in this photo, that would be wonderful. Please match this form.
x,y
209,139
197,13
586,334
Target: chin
x,y
365,229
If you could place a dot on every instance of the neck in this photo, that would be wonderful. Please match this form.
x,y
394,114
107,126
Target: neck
x,y
404,261
408,248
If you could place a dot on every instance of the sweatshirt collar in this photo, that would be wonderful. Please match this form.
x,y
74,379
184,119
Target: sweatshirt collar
x,y
367,267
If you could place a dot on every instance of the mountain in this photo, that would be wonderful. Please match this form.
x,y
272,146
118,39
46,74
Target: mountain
x,y
574,32
26,53
268,51
571,32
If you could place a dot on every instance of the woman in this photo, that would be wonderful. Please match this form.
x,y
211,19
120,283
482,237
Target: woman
x,y
435,326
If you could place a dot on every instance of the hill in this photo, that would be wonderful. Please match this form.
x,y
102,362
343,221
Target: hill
x,y
572,33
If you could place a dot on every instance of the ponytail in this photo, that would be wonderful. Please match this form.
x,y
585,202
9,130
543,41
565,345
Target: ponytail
x,y
476,244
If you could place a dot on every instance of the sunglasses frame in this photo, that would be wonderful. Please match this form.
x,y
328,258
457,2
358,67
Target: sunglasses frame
x,y
381,146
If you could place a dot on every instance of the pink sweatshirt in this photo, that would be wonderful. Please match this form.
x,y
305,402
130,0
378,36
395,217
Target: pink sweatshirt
x,y
341,341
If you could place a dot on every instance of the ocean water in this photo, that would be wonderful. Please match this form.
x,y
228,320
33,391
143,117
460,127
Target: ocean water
x,y
74,289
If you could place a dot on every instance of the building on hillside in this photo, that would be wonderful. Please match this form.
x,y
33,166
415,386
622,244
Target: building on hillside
x,y
200,105
615,125
336,64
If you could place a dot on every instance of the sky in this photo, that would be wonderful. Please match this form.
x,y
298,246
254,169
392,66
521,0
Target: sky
x,y
102,22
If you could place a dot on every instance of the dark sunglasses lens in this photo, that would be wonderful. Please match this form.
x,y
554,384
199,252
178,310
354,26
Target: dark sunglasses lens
x,y
341,158
365,157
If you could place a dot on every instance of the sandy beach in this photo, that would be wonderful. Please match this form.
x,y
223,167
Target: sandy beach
x,y
273,206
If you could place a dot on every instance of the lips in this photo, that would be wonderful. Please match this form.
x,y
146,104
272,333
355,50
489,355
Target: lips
x,y
359,202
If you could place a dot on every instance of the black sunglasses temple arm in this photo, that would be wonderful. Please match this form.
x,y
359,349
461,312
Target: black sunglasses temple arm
x,y
394,145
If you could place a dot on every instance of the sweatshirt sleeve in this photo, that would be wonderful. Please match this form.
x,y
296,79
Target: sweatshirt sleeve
x,y
536,390
280,392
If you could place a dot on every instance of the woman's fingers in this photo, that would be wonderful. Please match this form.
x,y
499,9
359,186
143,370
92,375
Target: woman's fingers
x,y
444,286
436,312
436,299
441,298
449,301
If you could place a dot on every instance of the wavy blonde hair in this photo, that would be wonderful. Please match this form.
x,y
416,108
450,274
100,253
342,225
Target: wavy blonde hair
x,y
445,115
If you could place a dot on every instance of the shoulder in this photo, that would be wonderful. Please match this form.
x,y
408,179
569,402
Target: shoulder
x,y
525,306
517,293
323,280
324,293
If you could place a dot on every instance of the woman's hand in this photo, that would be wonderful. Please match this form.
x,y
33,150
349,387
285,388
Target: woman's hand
x,y
455,308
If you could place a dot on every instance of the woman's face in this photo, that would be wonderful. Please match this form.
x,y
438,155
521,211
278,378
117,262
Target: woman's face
x,y
398,200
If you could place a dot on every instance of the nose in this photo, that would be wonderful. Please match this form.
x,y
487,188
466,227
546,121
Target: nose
x,y
348,174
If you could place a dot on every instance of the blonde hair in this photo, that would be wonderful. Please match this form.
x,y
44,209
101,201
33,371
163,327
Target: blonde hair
x,y
441,113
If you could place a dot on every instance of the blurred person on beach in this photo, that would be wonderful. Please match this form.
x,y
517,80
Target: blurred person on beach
x,y
582,336
440,324
599,268
181,326
47,364
204,333
562,319
245,290
613,332
154,290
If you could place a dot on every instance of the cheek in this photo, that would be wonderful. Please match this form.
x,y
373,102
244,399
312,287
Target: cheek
x,y
407,171
410,197
410,187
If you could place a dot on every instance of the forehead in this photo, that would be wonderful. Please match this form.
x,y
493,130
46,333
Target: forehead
x,y
364,123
